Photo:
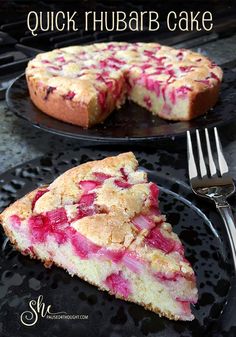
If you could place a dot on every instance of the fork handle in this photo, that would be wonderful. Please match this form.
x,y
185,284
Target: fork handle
x,y
225,211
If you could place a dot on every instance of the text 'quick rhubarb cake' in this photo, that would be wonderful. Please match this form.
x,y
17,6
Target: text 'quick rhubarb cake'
x,y
82,85
101,221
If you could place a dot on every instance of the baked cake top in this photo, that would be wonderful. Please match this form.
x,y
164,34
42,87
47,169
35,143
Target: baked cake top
x,y
111,209
91,69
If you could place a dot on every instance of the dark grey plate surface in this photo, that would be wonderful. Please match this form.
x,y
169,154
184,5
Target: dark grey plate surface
x,y
22,279
131,123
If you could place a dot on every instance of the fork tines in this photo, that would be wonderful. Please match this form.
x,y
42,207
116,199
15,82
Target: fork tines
x,y
193,171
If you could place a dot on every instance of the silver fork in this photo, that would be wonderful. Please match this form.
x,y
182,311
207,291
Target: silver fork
x,y
216,186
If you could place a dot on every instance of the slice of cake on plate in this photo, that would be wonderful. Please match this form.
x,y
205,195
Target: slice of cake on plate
x,y
82,85
101,222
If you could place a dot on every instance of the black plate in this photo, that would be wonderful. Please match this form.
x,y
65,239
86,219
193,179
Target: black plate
x,y
23,279
130,123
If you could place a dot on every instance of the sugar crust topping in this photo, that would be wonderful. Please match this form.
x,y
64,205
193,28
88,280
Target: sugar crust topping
x,y
74,71
110,204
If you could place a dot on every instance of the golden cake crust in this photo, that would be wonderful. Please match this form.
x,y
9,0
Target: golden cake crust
x,y
117,230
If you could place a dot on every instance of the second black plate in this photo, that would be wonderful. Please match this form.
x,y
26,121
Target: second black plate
x,y
23,280
129,124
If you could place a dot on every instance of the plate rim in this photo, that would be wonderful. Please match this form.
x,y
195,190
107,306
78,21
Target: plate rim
x,y
99,139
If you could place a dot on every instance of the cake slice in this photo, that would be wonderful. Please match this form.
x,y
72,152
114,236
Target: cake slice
x,y
101,221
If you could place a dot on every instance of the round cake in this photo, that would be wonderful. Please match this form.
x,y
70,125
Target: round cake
x,y
82,85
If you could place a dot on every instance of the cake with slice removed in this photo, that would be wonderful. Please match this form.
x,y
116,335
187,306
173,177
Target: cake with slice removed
x,y
101,222
82,85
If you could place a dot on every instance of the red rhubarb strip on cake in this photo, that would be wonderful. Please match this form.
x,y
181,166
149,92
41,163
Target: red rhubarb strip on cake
x,y
101,176
113,255
118,284
88,185
52,222
122,184
69,96
142,221
15,220
156,239
154,194
87,199
37,196
133,262
83,247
